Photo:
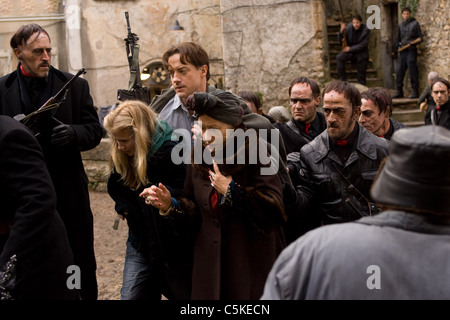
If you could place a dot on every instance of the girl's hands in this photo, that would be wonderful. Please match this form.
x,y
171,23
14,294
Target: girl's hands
x,y
157,196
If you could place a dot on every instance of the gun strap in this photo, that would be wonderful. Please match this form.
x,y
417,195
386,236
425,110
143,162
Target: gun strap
x,y
134,67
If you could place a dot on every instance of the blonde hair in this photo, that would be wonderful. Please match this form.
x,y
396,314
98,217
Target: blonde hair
x,y
137,118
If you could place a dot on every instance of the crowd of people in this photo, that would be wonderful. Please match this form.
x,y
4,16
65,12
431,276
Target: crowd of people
x,y
261,208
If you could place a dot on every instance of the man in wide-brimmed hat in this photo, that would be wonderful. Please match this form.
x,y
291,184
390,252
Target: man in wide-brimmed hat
x,y
401,253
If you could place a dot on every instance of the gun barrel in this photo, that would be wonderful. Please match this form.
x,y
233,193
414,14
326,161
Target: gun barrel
x,y
128,21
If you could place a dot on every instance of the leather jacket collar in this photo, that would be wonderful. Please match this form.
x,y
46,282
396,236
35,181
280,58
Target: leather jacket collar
x,y
364,145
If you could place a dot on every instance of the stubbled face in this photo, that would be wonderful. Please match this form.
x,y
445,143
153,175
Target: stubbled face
x,y
339,114
186,78
356,24
372,119
440,93
125,142
35,55
303,105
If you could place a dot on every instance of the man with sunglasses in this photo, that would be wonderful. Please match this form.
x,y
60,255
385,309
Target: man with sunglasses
x,y
306,122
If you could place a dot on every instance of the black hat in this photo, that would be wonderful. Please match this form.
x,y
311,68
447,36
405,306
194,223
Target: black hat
x,y
416,174
221,105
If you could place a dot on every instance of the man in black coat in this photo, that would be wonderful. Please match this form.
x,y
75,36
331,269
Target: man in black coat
x,y
440,91
338,167
306,122
71,128
357,35
34,250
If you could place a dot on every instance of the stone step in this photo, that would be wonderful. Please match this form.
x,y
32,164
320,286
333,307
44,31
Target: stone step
x,y
351,72
414,123
405,104
408,115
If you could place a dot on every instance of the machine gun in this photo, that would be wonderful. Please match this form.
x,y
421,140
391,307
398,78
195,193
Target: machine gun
x,y
40,121
135,89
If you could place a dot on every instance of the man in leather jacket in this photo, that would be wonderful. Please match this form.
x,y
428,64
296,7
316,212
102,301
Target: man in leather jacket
x,y
400,254
338,167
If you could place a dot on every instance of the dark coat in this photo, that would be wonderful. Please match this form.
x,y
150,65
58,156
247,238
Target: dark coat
x,y
394,125
65,164
256,122
441,117
37,237
294,139
237,242
357,40
325,192
408,31
150,233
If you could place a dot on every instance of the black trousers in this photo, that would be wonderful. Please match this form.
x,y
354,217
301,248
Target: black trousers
x,y
361,60
407,59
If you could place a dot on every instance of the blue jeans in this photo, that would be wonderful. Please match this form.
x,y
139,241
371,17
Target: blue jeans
x,y
139,281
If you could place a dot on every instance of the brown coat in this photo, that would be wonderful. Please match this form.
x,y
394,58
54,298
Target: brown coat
x,y
236,245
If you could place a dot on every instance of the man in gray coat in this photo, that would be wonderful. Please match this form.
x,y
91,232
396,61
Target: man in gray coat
x,y
402,253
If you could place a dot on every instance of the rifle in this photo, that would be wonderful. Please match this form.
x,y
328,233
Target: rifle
x,y
38,121
344,33
409,44
135,89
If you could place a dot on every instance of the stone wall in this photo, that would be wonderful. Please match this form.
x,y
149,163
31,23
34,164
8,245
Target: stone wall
x,y
434,53
267,44
104,29
96,165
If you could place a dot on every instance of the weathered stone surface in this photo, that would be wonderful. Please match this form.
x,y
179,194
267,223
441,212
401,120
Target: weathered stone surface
x,y
96,165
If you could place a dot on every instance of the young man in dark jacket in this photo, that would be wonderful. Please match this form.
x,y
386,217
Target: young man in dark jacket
x,y
357,50
408,31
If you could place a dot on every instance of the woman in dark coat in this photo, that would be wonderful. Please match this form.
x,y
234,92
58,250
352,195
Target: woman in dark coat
x,y
158,261
239,209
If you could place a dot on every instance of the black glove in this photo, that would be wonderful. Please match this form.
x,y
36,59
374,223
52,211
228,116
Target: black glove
x,y
62,135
